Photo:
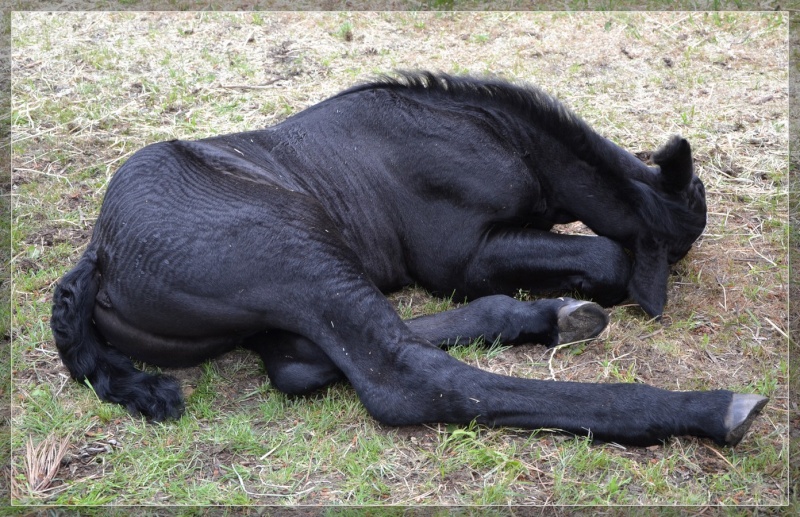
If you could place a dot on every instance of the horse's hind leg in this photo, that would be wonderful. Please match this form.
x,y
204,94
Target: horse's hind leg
x,y
403,379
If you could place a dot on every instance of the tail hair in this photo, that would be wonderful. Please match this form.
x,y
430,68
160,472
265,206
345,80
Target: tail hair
x,y
84,351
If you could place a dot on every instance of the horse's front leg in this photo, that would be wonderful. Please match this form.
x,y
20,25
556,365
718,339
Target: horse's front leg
x,y
511,258
548,322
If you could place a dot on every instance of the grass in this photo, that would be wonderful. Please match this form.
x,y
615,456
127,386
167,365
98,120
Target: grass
x,y
98,86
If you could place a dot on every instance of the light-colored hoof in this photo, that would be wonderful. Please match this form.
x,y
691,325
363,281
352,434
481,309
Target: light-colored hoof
x,y
743,410
580,320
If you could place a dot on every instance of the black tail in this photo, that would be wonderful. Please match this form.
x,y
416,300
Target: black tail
x,y
85,354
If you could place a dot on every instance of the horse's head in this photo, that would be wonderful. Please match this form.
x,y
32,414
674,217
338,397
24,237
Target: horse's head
x,y
677,222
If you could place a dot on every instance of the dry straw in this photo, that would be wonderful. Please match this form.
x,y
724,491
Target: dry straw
x,y
41,465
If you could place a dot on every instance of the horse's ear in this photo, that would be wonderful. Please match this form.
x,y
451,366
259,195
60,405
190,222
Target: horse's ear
x,y
675,161
648,283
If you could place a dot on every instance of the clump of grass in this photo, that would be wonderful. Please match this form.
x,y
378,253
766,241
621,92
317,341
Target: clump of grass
x,y
345,31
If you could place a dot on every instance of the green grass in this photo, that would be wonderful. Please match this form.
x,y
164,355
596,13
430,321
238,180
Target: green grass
x,y
79,110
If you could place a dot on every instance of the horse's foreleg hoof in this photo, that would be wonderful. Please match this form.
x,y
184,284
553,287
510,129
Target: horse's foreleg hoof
x,y
743,410
579,321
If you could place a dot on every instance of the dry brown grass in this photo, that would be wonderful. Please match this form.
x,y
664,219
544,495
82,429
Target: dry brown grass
x,y
42,463
90,89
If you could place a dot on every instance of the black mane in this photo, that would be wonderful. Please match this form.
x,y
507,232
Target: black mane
x,y
536,106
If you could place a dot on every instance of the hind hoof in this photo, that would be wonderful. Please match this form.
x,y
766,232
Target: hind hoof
x,y
579,321
743,410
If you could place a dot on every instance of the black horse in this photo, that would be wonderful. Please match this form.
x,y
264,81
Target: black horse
x,y
282,240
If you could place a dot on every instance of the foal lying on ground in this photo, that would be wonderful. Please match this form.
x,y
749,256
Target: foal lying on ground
x,y
282,241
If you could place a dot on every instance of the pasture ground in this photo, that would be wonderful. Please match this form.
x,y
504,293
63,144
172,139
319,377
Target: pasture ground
x,y
91,88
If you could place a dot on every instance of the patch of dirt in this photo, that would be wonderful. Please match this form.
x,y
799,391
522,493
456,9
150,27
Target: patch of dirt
x,y
54,235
